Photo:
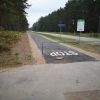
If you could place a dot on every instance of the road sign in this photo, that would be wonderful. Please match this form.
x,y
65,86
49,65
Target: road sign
x,y
61,25
80,25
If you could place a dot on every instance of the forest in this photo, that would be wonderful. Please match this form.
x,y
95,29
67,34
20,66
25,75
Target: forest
x,y
13,15
13,22
89,10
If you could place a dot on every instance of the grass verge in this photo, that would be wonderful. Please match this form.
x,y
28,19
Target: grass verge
x,y
89,35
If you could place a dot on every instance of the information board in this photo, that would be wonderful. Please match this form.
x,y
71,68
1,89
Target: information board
x,y
80,25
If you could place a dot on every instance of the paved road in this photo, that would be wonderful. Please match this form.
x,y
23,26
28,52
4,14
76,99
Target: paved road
x,y
51,51
84,39
50,82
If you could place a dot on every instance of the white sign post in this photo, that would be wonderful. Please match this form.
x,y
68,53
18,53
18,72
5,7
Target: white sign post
x,y
80,26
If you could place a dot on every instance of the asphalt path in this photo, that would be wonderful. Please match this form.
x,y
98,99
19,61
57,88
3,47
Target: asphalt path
x,y
54,52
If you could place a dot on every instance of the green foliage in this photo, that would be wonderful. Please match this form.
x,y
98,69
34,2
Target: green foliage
x,y
96,35
13,15
1,28
73,10
29,58
17,58
7,38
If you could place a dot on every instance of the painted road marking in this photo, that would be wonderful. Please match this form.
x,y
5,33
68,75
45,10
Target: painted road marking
x,y
63,53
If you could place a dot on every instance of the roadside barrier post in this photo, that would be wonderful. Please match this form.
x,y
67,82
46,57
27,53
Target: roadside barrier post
x,y
42,48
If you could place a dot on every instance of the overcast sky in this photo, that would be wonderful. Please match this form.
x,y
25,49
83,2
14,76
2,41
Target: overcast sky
x,y
42,8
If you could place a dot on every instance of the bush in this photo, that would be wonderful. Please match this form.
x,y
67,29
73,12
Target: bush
x,y
1,28
96,35
7,38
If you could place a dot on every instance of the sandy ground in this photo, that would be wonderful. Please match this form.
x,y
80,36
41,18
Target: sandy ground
x,y
86,95
24,50
36,53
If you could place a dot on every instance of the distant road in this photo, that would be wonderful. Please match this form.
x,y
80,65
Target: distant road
x,y
84,39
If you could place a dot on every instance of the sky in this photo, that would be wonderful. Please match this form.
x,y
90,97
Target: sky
x,y
42,8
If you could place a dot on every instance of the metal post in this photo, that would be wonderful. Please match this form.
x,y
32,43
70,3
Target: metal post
x,y
79,36
60,32
74,25
42,48
99,25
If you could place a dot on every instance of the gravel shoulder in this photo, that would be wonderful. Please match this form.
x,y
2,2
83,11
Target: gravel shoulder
x,y
36,53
